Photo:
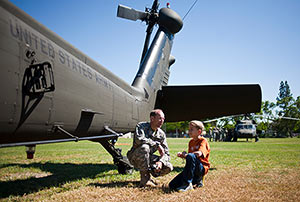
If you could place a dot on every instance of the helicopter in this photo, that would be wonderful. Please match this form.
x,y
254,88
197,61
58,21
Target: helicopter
x,y
244,127
52,92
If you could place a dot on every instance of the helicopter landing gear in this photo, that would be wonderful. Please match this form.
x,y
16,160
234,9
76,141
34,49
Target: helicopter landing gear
x,y
124,167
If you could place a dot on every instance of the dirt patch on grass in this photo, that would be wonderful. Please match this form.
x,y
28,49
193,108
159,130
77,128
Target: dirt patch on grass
x,y
224,185
243,185
22,176
118,144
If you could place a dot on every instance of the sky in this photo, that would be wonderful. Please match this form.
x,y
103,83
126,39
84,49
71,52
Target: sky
x,y
222,41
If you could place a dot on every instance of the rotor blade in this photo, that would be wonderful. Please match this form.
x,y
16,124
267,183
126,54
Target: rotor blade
x,y
212,120
289,118
130,13
155,5
217,119
278,117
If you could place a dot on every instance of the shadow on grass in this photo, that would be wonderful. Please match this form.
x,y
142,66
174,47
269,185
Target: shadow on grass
x,y
61,173
135,184
180,169
116,184
128,184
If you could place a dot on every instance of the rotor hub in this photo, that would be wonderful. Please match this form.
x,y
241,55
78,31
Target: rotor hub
x,y
170,20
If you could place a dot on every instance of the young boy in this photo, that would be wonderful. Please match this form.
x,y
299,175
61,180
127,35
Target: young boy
x,y
197,163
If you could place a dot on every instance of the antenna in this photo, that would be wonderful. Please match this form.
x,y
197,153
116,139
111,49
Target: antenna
x,y
190,9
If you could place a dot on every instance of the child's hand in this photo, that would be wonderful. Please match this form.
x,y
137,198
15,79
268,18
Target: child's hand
x,y
182,154
198,153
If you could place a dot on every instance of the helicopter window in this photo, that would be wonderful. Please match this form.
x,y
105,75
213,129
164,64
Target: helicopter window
x,y
240,127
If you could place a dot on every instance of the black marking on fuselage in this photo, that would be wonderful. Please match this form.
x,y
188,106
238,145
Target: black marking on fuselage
x,y
38,79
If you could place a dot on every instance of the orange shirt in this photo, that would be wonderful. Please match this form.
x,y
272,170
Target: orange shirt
x,y
202,145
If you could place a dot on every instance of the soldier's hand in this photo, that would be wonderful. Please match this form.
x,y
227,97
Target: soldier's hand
x,y
161,150
158,166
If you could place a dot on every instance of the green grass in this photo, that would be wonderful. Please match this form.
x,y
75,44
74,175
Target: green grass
x,y
58,168
266,154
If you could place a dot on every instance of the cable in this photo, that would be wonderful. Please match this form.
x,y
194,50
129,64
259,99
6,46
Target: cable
x,y
190,9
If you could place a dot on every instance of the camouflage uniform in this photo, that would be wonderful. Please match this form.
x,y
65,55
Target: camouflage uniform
x,y
145,144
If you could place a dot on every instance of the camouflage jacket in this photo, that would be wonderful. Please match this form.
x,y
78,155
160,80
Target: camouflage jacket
x,y
145,135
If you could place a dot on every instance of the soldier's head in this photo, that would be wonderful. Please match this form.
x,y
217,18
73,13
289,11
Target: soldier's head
x,y
157,118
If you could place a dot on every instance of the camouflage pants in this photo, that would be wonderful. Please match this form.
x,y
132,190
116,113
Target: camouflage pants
x,y
143,159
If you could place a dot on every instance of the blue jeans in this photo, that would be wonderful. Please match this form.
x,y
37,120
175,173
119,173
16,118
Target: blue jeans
x,y
192,172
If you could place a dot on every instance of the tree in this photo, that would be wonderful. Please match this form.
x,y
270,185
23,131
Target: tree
x,y
297,115
285,98
287,108
267,110
177,127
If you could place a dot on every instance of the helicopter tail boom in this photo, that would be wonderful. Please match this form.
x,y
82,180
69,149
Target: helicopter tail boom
x,y
199,102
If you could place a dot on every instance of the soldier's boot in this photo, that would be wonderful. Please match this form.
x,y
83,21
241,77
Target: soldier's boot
x,y
145,179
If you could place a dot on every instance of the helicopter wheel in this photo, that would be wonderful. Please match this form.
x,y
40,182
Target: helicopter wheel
x,y
124,169
124,166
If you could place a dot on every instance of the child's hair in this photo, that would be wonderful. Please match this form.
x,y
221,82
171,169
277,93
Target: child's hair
x,y
197,124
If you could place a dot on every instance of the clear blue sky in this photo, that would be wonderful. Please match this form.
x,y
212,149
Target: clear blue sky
x,y
222,41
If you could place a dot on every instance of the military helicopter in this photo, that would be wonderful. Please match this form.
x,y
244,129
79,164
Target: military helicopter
x,y
245,127
51,92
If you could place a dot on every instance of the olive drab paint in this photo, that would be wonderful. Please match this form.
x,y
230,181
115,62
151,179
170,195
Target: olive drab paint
x,y
52,92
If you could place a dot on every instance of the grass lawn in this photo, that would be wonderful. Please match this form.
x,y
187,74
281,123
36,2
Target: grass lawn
x,y
268,170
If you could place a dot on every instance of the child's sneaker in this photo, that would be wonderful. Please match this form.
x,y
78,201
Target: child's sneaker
x,y
200,183
185,187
